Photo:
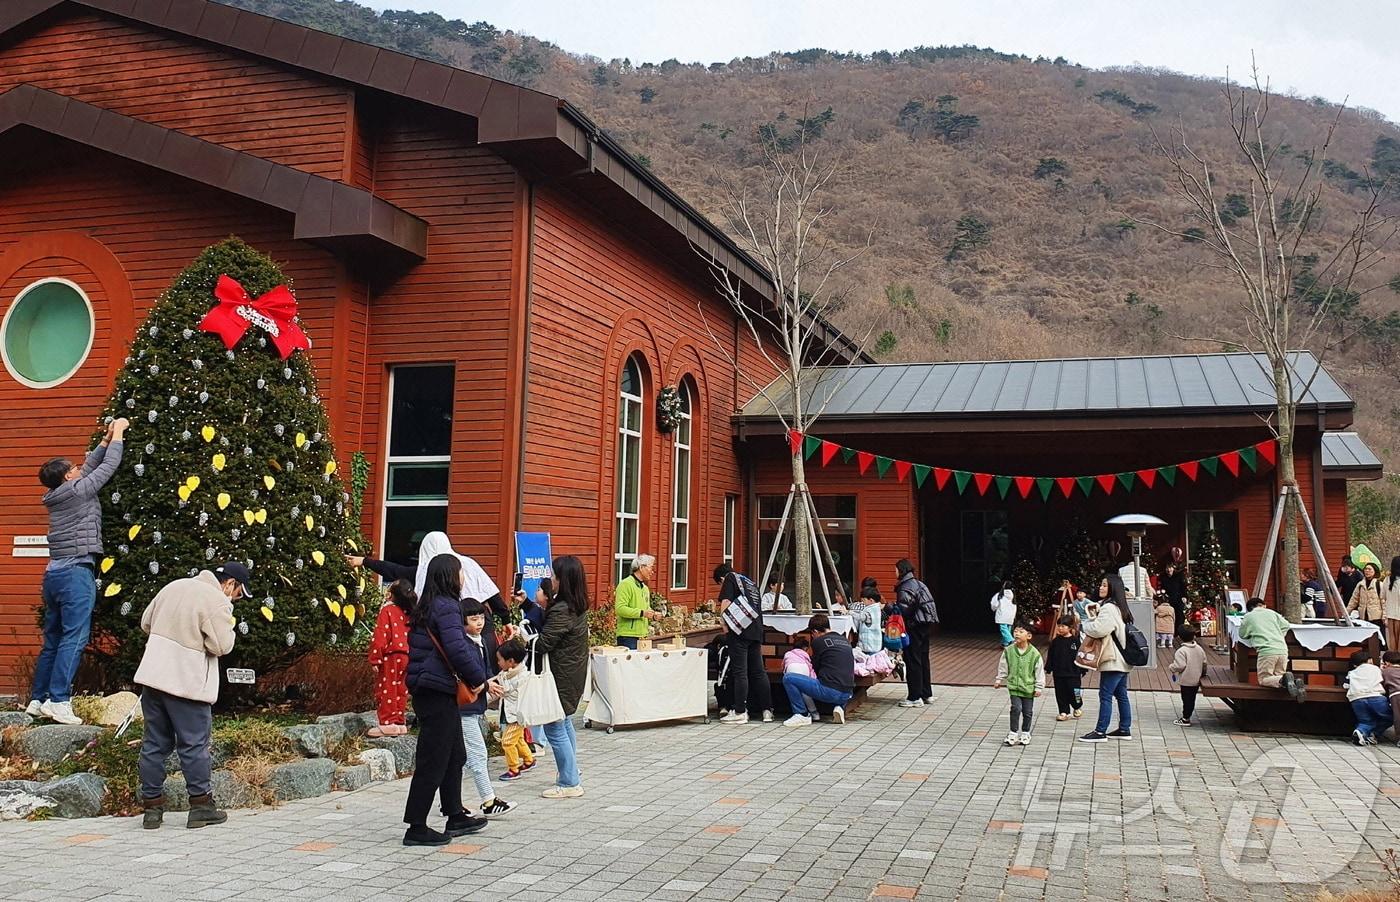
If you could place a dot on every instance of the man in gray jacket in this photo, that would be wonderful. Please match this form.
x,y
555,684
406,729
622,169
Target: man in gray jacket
x,y
70,581
190,624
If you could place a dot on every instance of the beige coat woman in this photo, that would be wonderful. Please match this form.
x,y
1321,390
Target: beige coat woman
x,y
1368,598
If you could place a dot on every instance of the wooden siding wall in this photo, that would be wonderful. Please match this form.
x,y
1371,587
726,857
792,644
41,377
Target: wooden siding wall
x,y
122,233
452,308
599,296
887,513
198,89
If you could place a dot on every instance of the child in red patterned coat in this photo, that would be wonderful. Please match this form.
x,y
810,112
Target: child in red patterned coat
x,y
388,655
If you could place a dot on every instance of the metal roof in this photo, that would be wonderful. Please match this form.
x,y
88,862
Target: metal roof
x,y
1346,452
1083,386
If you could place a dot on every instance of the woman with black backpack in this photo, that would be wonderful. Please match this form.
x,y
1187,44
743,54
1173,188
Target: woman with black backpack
x,y
916,606
1109,617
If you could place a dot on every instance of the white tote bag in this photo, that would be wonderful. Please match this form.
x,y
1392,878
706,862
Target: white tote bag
x,y
537,700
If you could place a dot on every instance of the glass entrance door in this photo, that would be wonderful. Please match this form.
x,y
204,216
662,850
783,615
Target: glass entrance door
x,y
984,564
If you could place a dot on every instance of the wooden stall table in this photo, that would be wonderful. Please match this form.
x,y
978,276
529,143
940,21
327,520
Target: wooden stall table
x,y
631,688
1317,654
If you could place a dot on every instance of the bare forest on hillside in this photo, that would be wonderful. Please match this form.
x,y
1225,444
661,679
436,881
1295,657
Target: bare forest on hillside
x,y
1008,197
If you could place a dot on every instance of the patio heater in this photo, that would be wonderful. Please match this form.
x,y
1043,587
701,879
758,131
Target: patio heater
x,y
1137,530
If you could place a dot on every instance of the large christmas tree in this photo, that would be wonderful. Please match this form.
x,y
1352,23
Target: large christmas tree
x,y
1077,560
228,457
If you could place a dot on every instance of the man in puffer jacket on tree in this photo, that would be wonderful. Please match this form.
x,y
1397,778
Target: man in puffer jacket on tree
x,y
190,623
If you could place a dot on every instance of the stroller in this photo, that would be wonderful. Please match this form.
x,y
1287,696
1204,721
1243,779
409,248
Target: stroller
x,y
896,640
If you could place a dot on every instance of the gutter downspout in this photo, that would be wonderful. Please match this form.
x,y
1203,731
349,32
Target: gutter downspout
x,y
525,369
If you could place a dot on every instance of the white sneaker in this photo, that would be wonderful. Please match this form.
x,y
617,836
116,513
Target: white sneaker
x,y
1013,739
767,716
734,717
910,703
838,714
35,708
562,792
1025,739
60,712
798,720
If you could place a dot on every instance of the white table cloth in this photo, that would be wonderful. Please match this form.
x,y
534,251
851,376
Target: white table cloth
x,y
791,624
649,686
1314,636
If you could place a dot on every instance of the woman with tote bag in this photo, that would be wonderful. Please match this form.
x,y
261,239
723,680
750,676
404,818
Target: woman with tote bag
x,y
563,647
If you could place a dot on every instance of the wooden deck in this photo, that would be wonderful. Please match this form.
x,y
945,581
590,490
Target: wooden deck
x,y
968,660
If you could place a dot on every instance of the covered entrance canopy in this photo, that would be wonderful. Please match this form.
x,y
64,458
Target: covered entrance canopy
x,y
1170,417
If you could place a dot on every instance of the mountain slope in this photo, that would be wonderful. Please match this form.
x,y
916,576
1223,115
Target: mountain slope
x,y
1044,187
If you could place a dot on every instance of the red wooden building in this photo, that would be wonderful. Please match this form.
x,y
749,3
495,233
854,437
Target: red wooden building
x,y
466,253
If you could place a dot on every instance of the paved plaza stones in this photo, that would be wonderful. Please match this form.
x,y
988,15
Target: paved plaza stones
x,y
898,804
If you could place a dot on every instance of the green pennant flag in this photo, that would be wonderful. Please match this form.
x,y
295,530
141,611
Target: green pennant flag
x,y
1168,473
1086,484
1250,456
1046,485
810,444
882,464
920,474
1212,464
1127,480
963,478
847,455
1003,485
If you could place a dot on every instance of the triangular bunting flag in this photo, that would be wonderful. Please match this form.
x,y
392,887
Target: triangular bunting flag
x,y
1168,474
1086,484
983,480
1231,460
961,477
920,474
1003,484
1105,482
1268,450
848,455
1190,469
882,464
829,450
1250,456
940,477
1148,477
1046,485
1127,480
1066,484
864,459
810,443
794,440
901,469
1212,464
1024,484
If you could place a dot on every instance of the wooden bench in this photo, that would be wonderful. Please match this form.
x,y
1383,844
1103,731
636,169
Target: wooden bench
x,y
1255,692
1325,712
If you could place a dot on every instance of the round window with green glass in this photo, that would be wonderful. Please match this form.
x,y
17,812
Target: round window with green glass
x,y
47,333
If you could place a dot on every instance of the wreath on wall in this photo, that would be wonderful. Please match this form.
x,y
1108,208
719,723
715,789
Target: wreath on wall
x,y
668,409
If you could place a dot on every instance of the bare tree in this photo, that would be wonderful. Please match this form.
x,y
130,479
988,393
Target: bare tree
x,y
1297,283
778,218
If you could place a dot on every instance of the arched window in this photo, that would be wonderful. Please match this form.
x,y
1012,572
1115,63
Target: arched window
x,y
680,493
629,467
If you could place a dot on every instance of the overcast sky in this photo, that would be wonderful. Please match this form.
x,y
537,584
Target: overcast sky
x,y
1335,48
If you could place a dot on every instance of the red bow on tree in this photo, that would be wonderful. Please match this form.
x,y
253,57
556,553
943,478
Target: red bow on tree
x,y
275,313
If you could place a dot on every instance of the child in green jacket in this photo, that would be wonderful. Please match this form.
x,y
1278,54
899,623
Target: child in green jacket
x,y
1021,669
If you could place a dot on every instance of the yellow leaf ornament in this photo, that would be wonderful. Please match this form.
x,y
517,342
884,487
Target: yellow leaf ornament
x,y
261,515
131,533
267,613
350,613
192,483
207,433
269,482
301,439
107,563
217,462
184,492
341,590
112,589
319,558
248,516
334,606
224,500
310,522
330,467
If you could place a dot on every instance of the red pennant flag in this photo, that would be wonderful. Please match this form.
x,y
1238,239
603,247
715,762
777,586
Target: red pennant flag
x,y
901,469
795,441
829,450
941,476
1066,484
1231,460
1024,484
1106,482
865,459
1190,468
1268,450
1148,477
983,480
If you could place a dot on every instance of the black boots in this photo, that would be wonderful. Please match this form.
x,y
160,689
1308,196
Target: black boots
x,y
422,835
204,812
153,813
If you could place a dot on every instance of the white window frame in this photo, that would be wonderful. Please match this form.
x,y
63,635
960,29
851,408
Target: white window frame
x,y
680,551
390,460
622,557
731,510
5,331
